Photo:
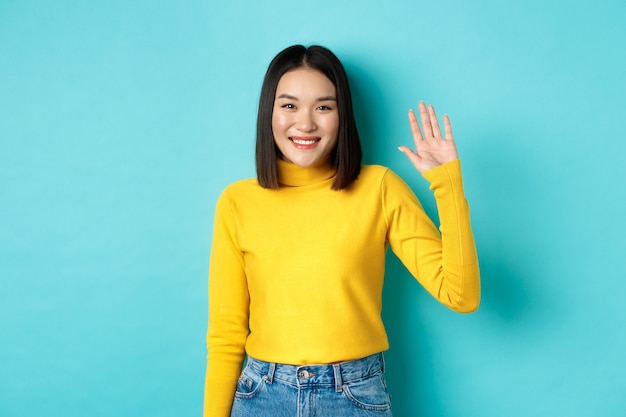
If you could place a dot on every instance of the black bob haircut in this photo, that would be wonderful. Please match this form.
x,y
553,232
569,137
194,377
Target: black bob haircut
x,y
346,157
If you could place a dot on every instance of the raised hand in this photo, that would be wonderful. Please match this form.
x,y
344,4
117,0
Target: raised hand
x,y
431,149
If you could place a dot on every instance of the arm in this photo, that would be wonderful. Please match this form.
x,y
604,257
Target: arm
x,y
444,261
228,314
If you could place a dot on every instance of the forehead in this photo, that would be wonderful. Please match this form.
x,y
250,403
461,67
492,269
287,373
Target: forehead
x,y
305,81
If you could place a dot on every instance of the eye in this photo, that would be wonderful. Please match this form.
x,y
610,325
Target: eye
x,y
288,106
325,108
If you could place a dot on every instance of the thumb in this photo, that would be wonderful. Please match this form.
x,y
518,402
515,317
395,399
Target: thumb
x,y
413,157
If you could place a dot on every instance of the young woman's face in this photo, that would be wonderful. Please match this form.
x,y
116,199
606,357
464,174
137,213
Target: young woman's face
x,y
305,118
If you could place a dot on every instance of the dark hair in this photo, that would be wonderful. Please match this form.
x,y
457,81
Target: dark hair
x,y
346,156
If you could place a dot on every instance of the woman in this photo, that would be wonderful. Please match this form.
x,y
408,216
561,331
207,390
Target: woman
x,y
297,262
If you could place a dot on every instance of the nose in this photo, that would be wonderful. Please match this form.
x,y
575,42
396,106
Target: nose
x,y
305,122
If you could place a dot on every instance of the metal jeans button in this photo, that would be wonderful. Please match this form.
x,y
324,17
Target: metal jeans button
x,y
304,374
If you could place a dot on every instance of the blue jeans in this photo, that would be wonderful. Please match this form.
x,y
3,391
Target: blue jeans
x,y
347,389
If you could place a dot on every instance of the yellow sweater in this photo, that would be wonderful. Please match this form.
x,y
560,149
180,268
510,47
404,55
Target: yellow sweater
x,y
296,274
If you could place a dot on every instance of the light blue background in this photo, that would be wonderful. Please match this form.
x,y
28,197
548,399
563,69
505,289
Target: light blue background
x,y
121,122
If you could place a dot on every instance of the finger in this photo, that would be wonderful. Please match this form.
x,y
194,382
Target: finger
x,y
415,127
447,127
413,157
425,118
434,122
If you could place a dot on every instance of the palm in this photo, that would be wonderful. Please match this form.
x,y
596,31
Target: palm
x,y
431,148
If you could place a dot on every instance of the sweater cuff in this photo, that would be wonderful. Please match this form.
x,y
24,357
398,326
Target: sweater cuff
x,y
447,173
218,397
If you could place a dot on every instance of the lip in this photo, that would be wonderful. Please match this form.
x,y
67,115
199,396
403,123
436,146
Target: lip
x,y
304,142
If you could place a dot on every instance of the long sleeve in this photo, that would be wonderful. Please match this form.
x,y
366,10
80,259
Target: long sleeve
x,y
228,314
445,261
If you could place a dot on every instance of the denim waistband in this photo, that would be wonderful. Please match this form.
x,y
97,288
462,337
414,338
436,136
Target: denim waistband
x,y
330,375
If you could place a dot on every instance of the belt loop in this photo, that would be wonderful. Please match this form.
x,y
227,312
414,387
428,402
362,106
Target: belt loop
x,y
270,372
338,380
382,357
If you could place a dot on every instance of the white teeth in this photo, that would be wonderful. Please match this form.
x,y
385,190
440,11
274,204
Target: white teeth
x,y
303,142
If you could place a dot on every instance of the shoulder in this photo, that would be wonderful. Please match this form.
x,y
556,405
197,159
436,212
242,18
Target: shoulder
x,y
371,173
238,191
379,174
241,187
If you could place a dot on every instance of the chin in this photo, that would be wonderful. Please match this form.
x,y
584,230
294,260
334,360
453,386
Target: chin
x,y
306,162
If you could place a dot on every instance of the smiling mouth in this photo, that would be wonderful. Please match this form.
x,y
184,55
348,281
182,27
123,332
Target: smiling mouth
x,y
304,141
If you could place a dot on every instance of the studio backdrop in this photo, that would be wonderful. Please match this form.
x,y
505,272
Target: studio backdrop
x,y
121,122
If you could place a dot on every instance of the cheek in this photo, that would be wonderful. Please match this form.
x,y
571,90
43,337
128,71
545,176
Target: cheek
x,y
279,123
332,126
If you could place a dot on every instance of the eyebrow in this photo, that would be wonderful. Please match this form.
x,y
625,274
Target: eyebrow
x,y
290,97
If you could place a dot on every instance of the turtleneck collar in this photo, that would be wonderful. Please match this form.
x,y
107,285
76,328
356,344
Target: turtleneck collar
x,y
292,175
